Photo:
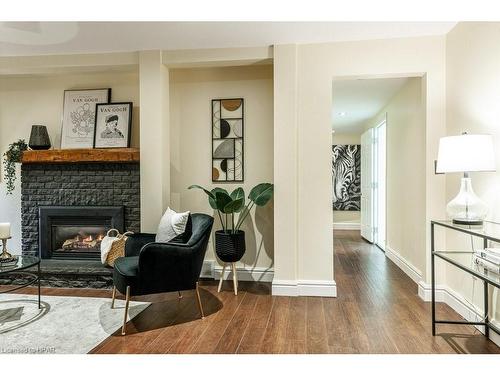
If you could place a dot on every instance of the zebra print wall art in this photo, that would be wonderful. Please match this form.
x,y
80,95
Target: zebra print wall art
x,y
346,168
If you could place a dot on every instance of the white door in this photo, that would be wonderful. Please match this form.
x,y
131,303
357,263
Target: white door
x,y
380,188
367,228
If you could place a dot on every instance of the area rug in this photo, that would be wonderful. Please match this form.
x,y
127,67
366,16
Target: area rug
x,y
71,325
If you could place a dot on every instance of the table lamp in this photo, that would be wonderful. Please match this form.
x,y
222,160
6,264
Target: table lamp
x,y
466,153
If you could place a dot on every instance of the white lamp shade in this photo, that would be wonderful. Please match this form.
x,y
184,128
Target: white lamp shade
x,y
466,153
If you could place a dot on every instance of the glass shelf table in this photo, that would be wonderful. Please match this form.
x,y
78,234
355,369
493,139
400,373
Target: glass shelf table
x,y
463,260
21,265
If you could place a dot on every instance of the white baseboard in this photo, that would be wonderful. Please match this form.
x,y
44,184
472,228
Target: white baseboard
x,y
312,288
443,294
347,226
212,270
414,273
459,304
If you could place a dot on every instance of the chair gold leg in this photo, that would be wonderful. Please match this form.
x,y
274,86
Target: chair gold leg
x,y
127,300
180,294
199,300
113,296
235,280
221,278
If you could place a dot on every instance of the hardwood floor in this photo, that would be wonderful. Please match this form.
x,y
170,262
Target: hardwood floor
x,y
377,311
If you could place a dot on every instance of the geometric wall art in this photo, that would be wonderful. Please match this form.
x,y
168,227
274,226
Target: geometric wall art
x,y
227,140
346,168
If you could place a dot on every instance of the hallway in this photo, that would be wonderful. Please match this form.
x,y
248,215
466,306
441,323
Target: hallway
x,y
381,310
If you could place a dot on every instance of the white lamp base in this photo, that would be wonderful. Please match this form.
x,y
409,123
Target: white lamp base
x,y
466,208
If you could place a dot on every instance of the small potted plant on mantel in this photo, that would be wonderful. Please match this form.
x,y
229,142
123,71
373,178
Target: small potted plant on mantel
x,y
230,241
12,156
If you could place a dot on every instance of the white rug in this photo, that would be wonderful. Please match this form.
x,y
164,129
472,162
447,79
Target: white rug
x,y
64,324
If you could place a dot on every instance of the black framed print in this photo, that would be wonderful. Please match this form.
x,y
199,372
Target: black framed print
x,y
78,123
227,140
113,124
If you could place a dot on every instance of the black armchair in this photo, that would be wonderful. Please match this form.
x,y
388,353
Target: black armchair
x,y
151,267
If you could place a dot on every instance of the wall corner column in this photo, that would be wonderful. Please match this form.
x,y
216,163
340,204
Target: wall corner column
x,y
154,138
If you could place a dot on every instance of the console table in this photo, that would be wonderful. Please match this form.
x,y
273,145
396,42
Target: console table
x,y
463,260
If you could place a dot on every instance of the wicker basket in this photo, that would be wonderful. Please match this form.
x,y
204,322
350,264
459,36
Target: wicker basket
x,y
118,247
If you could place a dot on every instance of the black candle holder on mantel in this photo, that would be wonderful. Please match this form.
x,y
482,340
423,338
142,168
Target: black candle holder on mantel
x,y
39,138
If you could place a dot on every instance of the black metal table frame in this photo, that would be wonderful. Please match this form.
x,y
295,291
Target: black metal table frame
x,y
24,270
486,323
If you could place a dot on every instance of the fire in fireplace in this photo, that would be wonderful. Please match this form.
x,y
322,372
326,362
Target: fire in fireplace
x,y
70,238
76,232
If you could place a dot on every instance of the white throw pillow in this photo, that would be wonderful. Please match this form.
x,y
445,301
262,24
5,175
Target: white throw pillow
x,y
171,225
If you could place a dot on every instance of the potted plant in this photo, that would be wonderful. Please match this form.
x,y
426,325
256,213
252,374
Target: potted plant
x,y
12,156
230,241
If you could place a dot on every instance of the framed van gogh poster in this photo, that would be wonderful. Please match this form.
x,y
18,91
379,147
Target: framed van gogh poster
x,y
227,140
78,124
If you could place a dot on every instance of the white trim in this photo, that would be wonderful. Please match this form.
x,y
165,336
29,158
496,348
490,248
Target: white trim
x,y
413,273
347,226
212,270
447,295
311,288
443,294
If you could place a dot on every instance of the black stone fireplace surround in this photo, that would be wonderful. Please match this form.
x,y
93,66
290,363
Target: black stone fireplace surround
x,y
74,185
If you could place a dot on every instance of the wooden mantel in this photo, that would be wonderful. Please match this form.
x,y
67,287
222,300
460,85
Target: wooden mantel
x,y
87,155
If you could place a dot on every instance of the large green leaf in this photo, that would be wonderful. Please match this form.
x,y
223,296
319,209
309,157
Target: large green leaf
x,y
222,199
234,206
261,194
212,201
237,194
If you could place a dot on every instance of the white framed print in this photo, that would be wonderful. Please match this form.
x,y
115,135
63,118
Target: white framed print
x,y
78,124
113,123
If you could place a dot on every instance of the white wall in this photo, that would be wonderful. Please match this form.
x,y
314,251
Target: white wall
x,y
346,217
191,92
303,79
405,174
38,99
473,94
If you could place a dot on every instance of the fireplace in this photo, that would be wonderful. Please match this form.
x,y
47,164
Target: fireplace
x,y
76,232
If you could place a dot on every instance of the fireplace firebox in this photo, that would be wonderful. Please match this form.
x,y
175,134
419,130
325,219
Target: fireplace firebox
x,y
76,232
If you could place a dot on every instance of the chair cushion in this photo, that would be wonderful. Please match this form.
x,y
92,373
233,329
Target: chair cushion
x,y
172,224
126,273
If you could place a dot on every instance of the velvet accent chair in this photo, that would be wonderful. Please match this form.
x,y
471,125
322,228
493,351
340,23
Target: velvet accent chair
x,y
150,267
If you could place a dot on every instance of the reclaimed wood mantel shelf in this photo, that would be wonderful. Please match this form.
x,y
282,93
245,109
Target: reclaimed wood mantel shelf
x,y
109,155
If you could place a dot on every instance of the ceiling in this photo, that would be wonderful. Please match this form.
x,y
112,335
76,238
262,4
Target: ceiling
x,y
358,100
42,38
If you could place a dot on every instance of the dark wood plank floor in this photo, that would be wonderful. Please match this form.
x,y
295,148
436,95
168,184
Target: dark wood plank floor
x,y
377,311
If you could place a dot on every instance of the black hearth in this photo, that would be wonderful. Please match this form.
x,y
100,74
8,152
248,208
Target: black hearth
x,y
76,232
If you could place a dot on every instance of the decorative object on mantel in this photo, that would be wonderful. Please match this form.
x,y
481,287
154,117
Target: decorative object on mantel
x,y
79,112
39,138
227,140
5,256
12,156
113,247
230,241
466,153
113,125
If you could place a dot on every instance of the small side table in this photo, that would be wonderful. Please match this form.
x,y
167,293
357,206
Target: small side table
x,y
21,265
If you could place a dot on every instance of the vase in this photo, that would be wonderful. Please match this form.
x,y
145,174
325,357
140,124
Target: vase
x,y
39,138
230,247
